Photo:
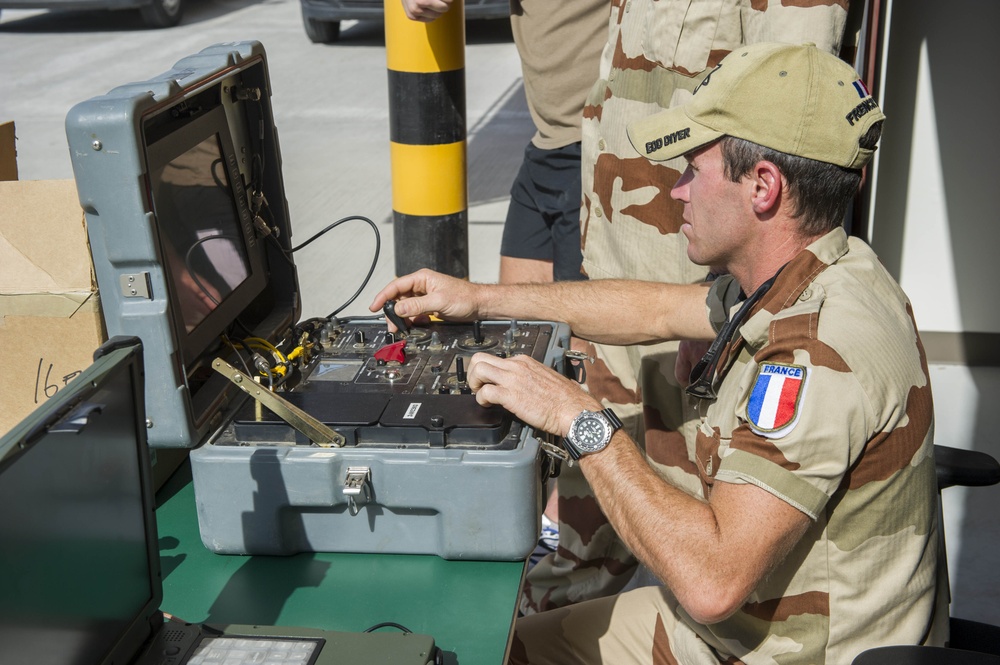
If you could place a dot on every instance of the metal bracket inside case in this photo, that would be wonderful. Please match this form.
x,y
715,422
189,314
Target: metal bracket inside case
x,y
576,368
357,488
552,446
316,431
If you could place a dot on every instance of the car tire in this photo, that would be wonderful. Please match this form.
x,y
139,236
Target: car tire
x,y
162,13
321,32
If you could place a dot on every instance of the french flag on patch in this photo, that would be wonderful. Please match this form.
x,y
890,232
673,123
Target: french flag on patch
x,y
774,399
862,89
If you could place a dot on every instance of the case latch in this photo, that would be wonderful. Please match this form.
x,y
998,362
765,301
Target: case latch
x,y
357,488
135,285
575,367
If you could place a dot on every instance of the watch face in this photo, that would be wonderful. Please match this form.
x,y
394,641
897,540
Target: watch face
x,y
590,434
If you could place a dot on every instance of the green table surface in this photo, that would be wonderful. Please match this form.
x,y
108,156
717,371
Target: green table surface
x,y
467,606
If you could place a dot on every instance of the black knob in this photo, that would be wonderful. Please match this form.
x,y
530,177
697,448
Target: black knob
x,y
389,309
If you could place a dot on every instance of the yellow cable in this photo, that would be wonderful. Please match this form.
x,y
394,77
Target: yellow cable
x,y
267,345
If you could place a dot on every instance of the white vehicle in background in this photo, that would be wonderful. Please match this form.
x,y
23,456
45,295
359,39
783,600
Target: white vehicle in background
x,y
155,13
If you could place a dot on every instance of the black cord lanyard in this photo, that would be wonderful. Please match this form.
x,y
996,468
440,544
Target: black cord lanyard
x,y
703,375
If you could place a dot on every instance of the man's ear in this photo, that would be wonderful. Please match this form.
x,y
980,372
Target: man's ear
x,y
766,187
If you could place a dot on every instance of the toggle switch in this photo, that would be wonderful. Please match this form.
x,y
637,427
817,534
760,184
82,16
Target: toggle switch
x,y
394,352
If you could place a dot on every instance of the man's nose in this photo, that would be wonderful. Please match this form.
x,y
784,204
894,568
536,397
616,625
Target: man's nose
x,y
679,192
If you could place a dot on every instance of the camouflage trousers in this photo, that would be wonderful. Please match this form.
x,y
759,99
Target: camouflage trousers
x,y
591,560
639,626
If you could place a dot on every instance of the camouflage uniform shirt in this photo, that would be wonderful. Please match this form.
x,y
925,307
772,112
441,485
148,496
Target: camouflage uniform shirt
x,y
656,53
826,404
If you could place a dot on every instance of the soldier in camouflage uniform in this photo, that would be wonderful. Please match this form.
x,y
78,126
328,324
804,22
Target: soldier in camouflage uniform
x,y
657,53
813,533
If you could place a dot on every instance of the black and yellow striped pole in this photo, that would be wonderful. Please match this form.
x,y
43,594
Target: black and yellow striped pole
x,y
426,63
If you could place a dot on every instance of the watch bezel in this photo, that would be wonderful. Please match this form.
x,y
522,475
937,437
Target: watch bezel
x,y
609,424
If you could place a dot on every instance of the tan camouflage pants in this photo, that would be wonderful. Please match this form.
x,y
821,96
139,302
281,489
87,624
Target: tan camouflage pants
x,y
591,561
640,626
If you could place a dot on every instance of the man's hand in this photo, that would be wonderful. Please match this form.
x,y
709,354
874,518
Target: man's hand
x,y
535,393
427,292
425,11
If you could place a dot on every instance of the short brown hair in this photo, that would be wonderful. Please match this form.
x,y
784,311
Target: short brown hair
x,y
820,192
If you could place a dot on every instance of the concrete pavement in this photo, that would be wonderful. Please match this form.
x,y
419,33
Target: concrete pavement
x,y
331,109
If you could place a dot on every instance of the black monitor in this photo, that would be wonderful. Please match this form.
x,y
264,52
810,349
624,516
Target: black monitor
x,y
214,262
78,544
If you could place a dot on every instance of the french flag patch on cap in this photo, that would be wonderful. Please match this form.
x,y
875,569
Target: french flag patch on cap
x,y
774,399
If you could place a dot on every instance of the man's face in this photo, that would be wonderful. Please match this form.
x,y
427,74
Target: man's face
x,y
715,221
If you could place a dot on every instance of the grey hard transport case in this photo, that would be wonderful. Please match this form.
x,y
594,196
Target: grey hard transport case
x,y
347,439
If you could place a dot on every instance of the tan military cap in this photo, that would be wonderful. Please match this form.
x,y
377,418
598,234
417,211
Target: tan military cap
x,y
794,99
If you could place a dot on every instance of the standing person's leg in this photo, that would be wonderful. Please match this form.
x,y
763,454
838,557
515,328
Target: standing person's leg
x,y
563,191
591,561
541,236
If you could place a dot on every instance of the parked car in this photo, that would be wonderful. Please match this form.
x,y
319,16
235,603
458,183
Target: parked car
x,y
155,13
322,18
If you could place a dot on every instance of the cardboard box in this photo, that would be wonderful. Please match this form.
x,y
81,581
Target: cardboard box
x,y
50,313
50,317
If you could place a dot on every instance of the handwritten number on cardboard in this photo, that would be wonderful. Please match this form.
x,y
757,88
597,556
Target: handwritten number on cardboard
x,y
45,388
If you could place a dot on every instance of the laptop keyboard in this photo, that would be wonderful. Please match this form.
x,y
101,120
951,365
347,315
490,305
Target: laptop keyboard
x,y
234,650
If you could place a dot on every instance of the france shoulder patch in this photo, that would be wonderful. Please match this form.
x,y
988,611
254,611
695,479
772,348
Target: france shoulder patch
x,y
773,407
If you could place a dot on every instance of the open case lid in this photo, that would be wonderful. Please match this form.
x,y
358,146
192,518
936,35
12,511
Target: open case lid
x,y
180,180
78,540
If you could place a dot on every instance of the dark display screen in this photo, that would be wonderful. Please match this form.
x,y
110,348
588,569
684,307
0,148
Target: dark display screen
x,y
73,542
205,253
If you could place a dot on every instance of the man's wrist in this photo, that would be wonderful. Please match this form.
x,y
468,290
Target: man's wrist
x,y
570,414
591,432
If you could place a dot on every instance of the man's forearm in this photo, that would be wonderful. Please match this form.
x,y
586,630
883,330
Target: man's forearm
x,y
607,311
711,554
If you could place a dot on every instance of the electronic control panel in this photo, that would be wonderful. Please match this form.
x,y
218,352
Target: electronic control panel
x,y
377,388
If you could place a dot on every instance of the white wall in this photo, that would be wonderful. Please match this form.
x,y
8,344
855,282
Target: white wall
x,y
936,212
935,222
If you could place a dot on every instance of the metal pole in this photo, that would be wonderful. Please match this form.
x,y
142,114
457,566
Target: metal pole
x,y
426,63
